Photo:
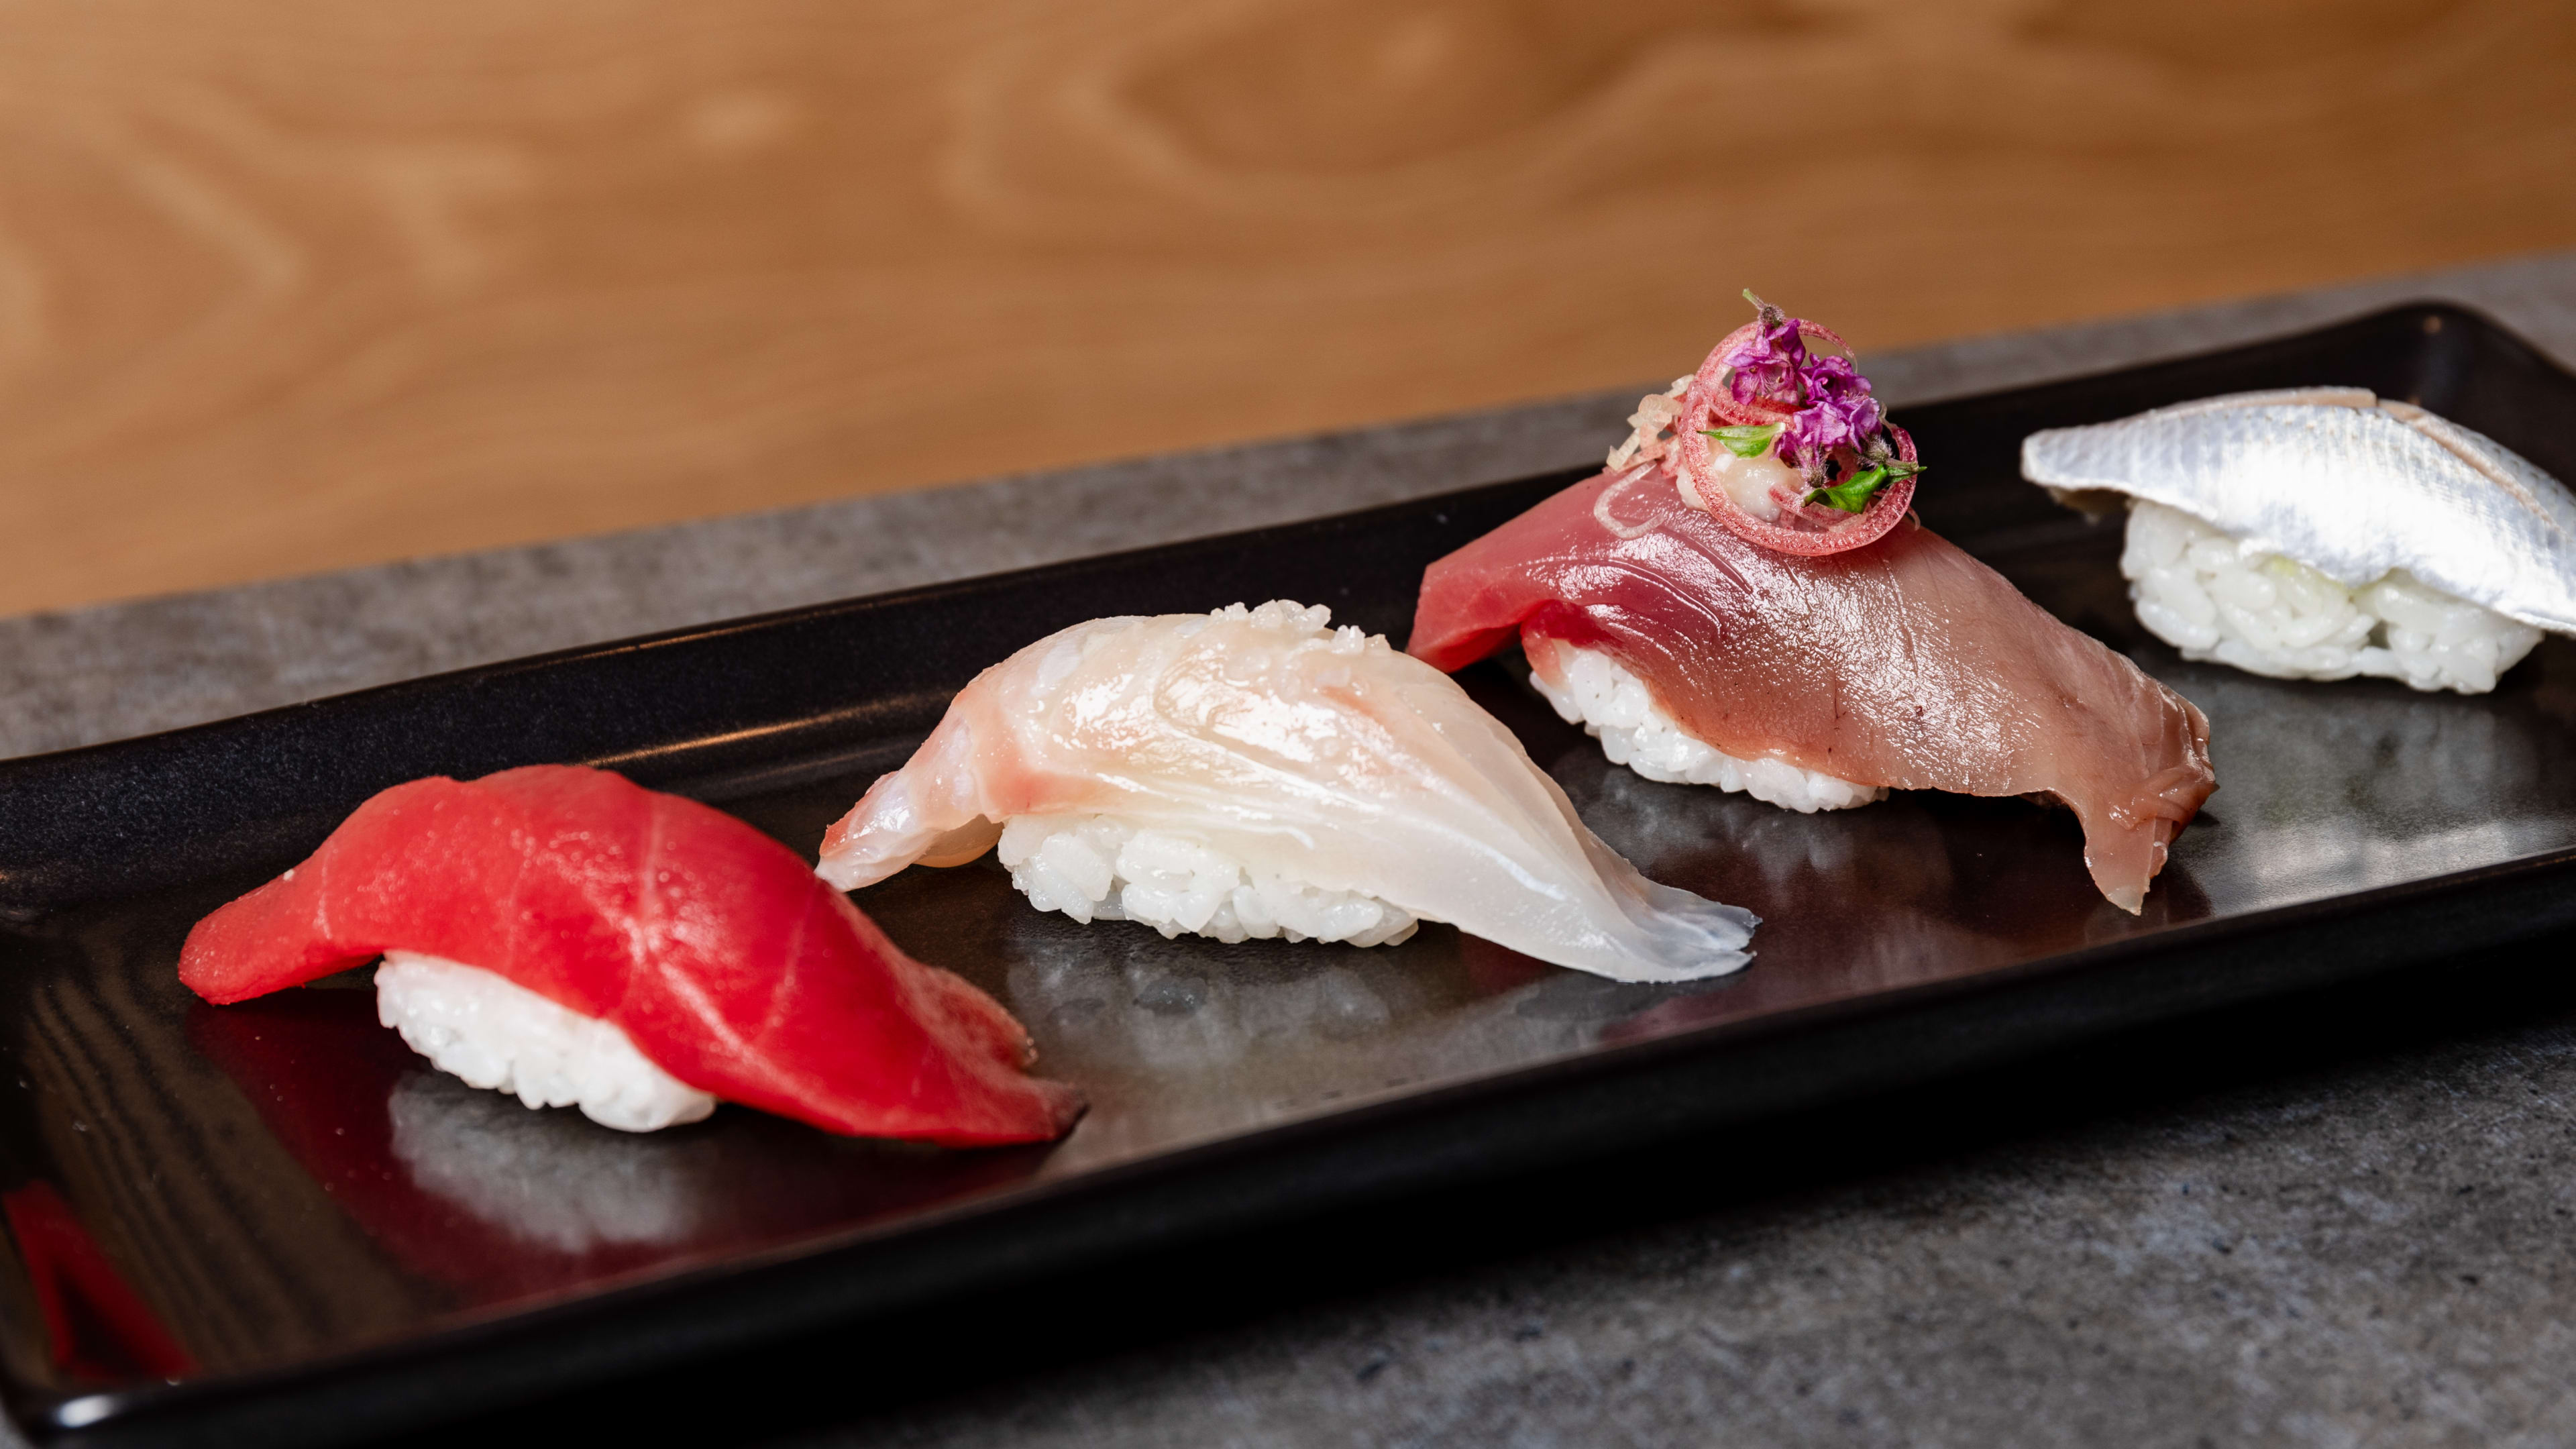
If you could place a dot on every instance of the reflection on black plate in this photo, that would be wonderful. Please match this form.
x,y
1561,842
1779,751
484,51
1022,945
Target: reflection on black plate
x,y
276,1203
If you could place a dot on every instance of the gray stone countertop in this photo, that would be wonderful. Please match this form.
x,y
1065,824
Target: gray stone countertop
x,y
2372,1248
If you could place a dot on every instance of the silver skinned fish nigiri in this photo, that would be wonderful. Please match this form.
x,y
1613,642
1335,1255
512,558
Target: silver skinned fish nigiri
x,y
2410,514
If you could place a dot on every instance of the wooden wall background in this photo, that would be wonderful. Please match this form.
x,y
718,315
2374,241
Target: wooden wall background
x,y
289,285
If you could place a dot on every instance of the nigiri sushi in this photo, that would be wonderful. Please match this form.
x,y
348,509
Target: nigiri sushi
x,y
2321,533
1255,772
567,935
1819,670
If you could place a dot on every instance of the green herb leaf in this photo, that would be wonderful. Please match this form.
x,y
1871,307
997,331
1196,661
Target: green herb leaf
x,y
1853,493
1750,440
1899,468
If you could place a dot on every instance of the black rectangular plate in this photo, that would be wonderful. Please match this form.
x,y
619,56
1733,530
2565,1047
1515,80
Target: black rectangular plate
x,y
271,1223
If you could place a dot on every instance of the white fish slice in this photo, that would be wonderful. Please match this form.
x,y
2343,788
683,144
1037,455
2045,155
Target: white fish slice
x,y
1308,757
2350,485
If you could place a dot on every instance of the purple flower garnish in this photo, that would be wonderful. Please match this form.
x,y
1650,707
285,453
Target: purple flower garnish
x,y
1839,413
1766,365
1831,408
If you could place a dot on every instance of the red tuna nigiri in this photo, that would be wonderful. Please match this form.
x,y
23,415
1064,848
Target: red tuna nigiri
x,y
1903,664
714,949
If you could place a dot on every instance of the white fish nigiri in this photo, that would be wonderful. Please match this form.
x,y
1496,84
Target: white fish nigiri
x,y
2323,532
1255,772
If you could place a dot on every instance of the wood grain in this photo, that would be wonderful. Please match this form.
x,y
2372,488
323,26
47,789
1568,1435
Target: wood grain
x,y
291,286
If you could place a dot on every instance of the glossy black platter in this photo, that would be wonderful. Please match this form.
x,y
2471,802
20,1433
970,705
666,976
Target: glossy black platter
x,y
271,1224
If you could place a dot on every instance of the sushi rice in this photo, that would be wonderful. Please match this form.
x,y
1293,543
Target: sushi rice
x,y
501,1036
1101,868
2217,597
1592,689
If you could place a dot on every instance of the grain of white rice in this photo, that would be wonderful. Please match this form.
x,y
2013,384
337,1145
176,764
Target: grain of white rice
x,y
1614,706
496,1034
1101,868
2215,597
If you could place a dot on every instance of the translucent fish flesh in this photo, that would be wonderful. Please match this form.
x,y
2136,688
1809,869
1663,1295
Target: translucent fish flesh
x,y
1309,758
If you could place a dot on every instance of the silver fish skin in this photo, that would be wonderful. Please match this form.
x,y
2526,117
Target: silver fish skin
x,y
2346,483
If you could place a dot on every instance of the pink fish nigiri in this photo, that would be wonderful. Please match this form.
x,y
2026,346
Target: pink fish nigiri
x,y
1903,664
711,948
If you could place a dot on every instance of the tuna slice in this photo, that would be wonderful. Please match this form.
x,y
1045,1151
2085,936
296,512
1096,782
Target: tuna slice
x,y
1905,664
711,946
